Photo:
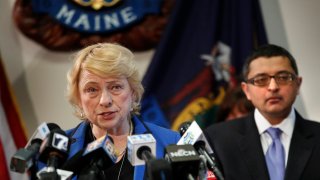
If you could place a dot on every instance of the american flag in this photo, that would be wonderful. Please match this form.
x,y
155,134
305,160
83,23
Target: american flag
x,y
12,132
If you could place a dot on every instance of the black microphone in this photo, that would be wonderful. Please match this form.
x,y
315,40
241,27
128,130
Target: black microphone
x,y
101,155
141,150
76,163
211,162
89,162
24,158
194,136
144,152
53,151
156,169
184,160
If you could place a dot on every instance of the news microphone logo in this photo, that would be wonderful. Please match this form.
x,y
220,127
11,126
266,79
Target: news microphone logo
x,y
188,138
106,144
42,132
183,153
137,141
194,134
94,145
57,143
184,159
60,142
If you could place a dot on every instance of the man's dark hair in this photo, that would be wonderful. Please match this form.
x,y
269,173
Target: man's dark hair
x,y
269,50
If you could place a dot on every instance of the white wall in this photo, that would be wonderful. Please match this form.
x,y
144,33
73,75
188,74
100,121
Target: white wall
x,y
38,76
303,27
295,25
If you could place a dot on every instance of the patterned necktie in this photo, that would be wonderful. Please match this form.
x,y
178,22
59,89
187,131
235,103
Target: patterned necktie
x,y
275,155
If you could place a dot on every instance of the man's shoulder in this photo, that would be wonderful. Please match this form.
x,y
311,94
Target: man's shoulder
x,y
233,124
311,123
309,126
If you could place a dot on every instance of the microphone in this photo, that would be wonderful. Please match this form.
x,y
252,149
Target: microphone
x,y
203,172
24,158
211,163
53,151
101,155
76,163
88,162
184,160
142,150
192,135
195,136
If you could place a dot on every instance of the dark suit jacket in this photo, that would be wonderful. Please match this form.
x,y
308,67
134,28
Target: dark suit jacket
x,y
239,153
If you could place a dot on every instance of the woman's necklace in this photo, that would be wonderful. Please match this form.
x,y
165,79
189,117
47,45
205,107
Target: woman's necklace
x,y
120,153
124,156
123,152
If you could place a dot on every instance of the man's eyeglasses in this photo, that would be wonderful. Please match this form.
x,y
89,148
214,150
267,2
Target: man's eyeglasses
x,y
281,78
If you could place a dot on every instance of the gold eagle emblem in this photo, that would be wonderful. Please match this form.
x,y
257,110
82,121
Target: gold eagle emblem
x,y
97,4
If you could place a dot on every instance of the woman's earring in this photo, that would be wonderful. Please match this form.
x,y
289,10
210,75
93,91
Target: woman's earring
x,y
82,116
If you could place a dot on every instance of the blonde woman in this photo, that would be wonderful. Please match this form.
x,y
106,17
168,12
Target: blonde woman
x,y
105,90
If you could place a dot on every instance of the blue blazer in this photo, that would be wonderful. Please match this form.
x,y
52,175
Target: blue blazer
x,y
163,136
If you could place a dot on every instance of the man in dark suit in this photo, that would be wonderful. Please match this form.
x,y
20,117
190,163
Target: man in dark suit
x,y
274,141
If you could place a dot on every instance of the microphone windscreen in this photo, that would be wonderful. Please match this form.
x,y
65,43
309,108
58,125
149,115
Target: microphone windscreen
x,y
184,160
199,144
53,126
56,144
36,141
59,131
75,163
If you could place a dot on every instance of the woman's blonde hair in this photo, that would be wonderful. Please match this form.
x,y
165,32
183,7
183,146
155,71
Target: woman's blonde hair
x,y
104,59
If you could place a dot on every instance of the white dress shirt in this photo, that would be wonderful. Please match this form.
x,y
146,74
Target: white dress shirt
x,y
286,127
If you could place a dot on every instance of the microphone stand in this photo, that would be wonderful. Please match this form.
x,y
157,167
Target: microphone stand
x,y
51,172
95,171
33,170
